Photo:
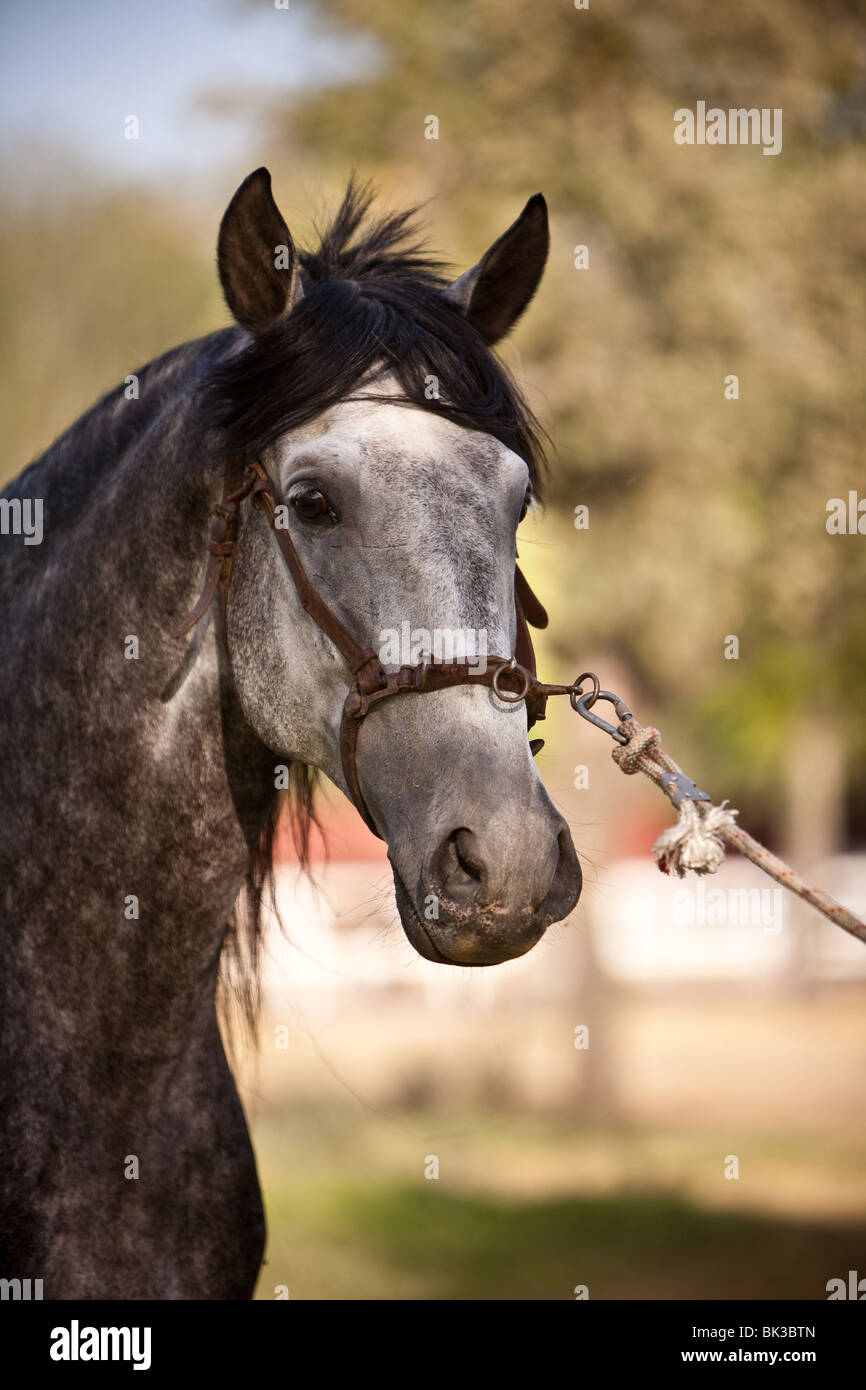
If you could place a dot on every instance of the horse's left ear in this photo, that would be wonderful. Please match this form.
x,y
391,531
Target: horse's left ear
x,y
256,257
495,292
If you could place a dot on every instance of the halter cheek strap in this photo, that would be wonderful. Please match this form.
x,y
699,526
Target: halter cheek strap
x,y
512,678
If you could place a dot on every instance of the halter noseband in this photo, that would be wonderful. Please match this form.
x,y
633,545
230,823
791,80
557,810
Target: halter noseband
x,y
512,678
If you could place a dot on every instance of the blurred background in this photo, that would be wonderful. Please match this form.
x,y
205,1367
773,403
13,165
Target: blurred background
x,y
426,1132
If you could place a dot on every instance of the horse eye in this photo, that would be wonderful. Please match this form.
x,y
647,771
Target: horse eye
x,y
525,508
312,505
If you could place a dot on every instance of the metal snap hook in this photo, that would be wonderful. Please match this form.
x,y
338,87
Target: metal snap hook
x,y
622,711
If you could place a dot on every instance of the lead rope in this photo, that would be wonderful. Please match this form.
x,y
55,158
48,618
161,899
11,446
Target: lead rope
x,y
697,841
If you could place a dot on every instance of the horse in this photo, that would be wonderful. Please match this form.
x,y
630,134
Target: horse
x,y
143,774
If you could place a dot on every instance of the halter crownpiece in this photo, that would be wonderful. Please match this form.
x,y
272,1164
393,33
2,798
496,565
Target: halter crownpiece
x,y
511,678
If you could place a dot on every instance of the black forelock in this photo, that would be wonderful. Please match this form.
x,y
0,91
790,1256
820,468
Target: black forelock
x,y
372,305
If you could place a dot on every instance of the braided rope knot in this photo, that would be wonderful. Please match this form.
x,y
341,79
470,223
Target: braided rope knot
x,y
630,756
697,841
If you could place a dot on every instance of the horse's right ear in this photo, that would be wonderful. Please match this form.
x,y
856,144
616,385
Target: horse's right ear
x,y
256,257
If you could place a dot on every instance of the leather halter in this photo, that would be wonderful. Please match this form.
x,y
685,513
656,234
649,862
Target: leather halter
x,y
512,678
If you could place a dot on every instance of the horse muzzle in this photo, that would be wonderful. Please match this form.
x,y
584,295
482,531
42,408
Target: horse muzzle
x,y
484,898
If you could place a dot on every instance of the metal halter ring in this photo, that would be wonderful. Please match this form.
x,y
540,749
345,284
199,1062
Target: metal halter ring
x,y
512,697
591,695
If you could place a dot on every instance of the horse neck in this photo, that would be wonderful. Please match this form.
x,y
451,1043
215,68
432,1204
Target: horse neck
x,y
134,815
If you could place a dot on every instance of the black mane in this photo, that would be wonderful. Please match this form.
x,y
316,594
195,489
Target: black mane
x,y
372,305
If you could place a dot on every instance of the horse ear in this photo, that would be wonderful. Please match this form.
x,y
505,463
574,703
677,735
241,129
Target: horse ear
x,y
256,257
495,292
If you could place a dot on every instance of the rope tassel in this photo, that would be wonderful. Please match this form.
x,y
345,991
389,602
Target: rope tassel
x,y
697,841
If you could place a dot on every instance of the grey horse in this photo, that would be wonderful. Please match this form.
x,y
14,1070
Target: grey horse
x,y
139,772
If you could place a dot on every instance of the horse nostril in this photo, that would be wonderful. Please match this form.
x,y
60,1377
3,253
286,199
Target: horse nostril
x,y
456,867
471,866
567,882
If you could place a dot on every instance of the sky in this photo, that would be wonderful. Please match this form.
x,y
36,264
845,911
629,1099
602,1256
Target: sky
x,y
71,73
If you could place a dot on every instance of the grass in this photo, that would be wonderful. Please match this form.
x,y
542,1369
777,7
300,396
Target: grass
x,y
345,1223
337,1240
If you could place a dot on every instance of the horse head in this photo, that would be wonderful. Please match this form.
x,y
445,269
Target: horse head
x,y
401,458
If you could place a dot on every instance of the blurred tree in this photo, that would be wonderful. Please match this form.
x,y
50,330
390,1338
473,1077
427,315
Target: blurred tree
x,y
110,280
706,513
